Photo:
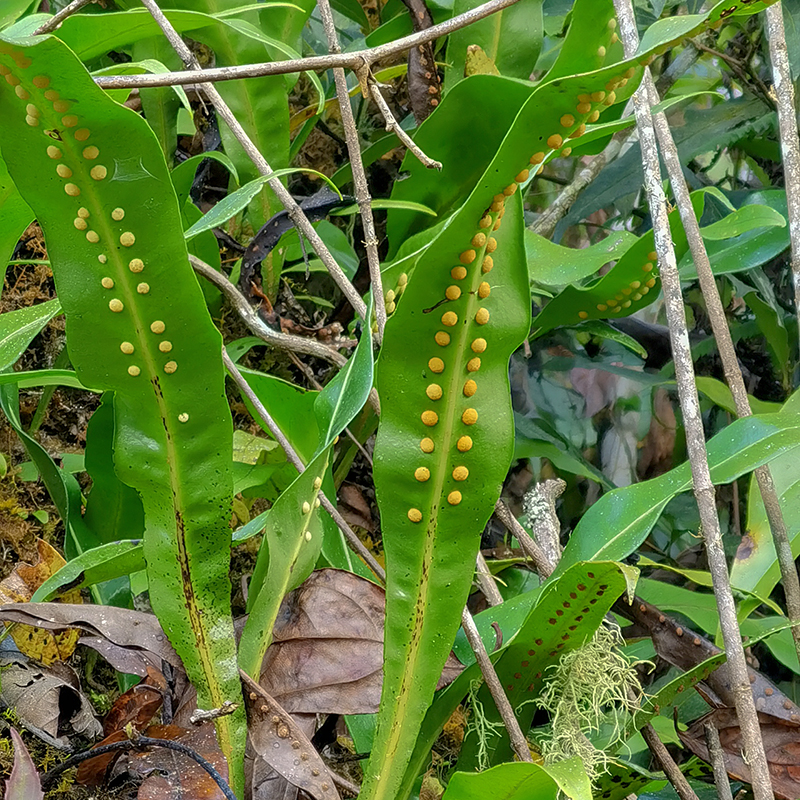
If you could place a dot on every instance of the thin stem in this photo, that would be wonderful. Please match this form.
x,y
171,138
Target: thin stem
x,y
56,20
294,344
544,567
295,460
486,582
393,125
783,94
667,763
695,439
296,214
727,352
355,60
363,196
518,741
717,757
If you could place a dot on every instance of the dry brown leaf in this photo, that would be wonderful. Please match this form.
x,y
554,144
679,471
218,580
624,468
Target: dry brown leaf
x,y
281,743
781,743
19,586
354,508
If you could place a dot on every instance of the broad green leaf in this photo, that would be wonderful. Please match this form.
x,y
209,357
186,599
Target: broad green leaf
x,y
742,220
17,329
407,205
15,216
522,782
719,394
289,550
616,524
137,326
42,377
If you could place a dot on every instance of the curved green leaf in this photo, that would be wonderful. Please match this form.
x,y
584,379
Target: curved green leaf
x,y
17,329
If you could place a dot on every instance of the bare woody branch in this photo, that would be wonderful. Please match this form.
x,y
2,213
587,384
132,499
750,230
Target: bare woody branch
x,y
355,60
695,439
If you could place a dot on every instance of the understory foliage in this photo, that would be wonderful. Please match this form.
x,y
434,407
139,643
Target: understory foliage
x,y
253,468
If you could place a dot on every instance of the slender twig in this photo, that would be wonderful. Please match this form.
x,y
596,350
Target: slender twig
x,y
783,94
539,505
727,352
296,214
667,763
358,59
518,741
693,424
393,125
295,460
717,758
486,582
138,742
286,341
541,562
363,196
56,20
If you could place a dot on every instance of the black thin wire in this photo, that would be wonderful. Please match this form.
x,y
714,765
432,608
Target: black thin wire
x,y
135,744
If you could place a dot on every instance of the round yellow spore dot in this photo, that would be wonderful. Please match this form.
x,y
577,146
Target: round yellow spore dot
x,y
651,283
4,70
555,141
117,214
41,81
612,24
12,80
80,224
127,239
478,240
422,474
598,97
473,365
83,213
54,152
626,304
647,267
484,290
611,303
644,289
583,315
60,106
460,473
482,316
652,256
165,346
583,108
183,417
429,418
522,176
51,94
449,318
415,515
602,307
454,498
126,348
102,258
496,206
601,51
82,134
442,338
470,416
31,110
69,121
458,273
470,387
464,444
434,391
426,445
567,121
99,172
478,345
92,236
317,484
170,367
63,171
594,116
136,265
158,326
510,189
537,158
436,365
390,296
578,132
107,283
306,508
635,284
71,189
491,245
90,152
467,257
452,292
488,264
143,288
133,370
485,221
637,296
611,98
566,152
23,94
116,305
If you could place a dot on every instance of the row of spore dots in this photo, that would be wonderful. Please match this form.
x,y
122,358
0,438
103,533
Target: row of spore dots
x,y
633,292
97,172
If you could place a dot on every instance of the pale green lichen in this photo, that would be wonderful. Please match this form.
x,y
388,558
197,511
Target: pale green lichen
x,y
591,687
483,728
